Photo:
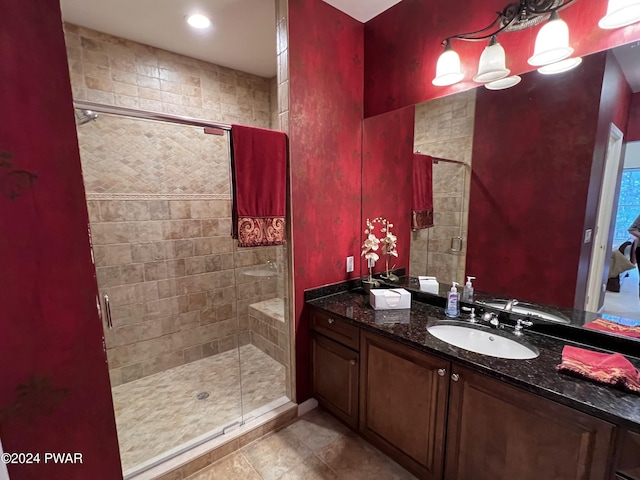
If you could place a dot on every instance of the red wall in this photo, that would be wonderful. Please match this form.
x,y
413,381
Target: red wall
x,y
633,129
325,138
54,394
531,195
402,45
387,179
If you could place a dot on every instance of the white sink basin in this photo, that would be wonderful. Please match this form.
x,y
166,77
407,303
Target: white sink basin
x,y
481,341
524,309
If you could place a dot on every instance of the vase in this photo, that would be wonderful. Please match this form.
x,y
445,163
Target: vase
x,y
367,284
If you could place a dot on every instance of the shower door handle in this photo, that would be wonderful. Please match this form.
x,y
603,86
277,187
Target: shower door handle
x,y
107,311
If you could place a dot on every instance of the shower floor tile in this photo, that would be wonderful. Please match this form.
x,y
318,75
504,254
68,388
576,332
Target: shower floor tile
x,y
158,413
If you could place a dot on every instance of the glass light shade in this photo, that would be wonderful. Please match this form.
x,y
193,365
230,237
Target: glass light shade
x,y
620,13
561,66
552,43
448,69
503,83
492,65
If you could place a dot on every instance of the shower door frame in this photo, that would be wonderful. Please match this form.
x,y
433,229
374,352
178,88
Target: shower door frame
x,y
192,122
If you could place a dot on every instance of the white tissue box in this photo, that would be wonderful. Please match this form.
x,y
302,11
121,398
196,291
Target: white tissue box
x,y
428,284
389,298
386,317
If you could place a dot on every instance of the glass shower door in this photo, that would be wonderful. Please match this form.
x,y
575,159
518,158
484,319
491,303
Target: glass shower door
x,y
159,201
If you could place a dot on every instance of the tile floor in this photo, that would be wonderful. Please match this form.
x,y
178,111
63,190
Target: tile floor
x,y
315,447
158,413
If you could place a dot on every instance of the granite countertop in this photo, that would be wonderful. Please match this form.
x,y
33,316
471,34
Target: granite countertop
x,y
537,375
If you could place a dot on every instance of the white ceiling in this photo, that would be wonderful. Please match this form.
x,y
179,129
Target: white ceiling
x,y
628,56
363,10
242,35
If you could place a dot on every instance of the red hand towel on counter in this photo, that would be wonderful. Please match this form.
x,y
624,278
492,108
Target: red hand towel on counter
x,y
422,205
606,368
259,169
608,326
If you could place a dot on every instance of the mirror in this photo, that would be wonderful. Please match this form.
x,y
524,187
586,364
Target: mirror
x,y
523,190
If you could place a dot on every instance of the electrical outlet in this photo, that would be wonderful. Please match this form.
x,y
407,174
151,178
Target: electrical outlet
x,y
349,264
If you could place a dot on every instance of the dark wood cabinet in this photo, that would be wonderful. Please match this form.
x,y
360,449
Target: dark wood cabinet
x,y
499,432
628,464
445,422
403,403
335,370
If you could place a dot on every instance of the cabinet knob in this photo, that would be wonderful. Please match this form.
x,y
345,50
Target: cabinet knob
x,y
455,377
441,372
352,362
330,320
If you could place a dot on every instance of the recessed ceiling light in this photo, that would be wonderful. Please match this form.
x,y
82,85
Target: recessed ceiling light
x,y
198,20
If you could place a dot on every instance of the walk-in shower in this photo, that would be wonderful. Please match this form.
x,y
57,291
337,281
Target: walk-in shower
x,y
195,328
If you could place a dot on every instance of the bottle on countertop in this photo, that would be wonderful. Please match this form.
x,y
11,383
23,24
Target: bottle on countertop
x,y
453,306
467,292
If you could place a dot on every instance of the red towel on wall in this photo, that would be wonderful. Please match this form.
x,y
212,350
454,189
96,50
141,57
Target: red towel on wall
x,y
422,206
609,369
259,169
612,327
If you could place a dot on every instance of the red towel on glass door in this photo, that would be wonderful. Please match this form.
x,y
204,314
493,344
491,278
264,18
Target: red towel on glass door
x,y
259,169
422,206
606,368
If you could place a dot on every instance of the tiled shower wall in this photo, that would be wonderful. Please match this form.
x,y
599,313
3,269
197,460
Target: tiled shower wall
x,y
444,128
115,71
159,201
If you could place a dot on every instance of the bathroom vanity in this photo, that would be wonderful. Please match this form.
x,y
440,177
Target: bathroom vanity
x,y
448,413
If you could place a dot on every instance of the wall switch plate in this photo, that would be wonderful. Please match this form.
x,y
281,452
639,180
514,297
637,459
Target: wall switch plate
x,y
587,235
349,264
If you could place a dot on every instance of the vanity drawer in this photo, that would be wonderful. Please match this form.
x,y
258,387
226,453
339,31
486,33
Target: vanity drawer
x,y
331,326
629,459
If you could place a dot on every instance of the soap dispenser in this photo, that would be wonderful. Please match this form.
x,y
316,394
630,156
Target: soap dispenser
x,y
467,292
453,307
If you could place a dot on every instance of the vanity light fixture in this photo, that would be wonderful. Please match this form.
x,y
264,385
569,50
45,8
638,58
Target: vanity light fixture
x,y
197,20
552,43
620,13
448,67
503,83
561,66
492,65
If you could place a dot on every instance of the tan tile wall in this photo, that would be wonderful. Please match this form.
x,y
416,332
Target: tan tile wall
x,y
444,128
175,282
159,201
282,108
115,71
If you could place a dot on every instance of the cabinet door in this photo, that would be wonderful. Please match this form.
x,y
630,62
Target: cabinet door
x,y
335,378
499,432
629,457
403,403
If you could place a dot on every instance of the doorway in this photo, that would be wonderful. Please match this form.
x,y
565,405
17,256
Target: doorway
x,y
596,284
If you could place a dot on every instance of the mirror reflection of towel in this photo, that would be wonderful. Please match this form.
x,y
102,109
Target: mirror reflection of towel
x,y
422,205
619,264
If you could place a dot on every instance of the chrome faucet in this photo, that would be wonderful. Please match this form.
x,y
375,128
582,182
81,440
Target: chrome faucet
x,y
509,306
492,319
520,324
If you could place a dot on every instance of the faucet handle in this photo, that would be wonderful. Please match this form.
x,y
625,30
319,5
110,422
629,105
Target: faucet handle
x,y
520,324
492,318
